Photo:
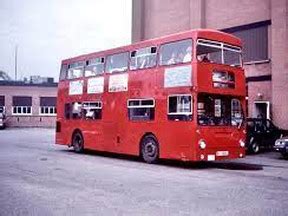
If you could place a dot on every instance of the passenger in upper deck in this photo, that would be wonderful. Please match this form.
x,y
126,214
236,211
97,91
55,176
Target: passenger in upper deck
x,y
188,54
203,58
172,59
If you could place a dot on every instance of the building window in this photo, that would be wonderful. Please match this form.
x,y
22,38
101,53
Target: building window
x,y
75,70
141,109
176,52
92,110
94,67
143,58
117,62
255,40
47,106
22,105
180,107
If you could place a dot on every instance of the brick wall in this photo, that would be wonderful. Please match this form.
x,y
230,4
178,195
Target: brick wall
x,y
156,18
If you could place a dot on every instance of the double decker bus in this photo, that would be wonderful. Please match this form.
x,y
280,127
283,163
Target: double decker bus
x,y
180,97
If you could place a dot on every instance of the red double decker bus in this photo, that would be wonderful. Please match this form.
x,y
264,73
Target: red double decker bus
x,y
179,97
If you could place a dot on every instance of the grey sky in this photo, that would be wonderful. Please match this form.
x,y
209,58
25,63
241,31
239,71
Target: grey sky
x,y
48,31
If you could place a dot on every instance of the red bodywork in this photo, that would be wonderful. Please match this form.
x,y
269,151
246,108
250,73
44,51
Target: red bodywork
x,y
177,139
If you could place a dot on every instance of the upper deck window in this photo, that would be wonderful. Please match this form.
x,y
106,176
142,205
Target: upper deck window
x,y
176,52
75,70
143,58
117,62
63,72
217,52
94,67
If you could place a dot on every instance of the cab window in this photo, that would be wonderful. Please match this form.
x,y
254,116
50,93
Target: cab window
x,y
176,52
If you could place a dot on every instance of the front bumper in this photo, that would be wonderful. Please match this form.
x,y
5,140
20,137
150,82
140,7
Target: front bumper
x,y
282,148
221,153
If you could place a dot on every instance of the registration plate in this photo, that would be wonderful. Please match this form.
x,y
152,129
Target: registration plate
x,y
222,153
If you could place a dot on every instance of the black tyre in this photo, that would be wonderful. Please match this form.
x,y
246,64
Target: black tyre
x,y
150,149
78,142
254,147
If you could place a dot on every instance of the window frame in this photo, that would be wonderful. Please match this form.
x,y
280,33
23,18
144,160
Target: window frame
x,y
21,113
54,113
140,106
180,113
150,54
171,42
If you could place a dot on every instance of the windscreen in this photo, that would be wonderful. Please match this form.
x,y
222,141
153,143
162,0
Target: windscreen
x,y
219,110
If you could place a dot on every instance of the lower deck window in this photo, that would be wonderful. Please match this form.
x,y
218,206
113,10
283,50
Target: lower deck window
x,y
85,110
141,109
76,110
219,110
92,110
180,107
67,110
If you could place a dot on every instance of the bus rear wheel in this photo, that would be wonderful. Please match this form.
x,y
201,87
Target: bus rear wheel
x,y
78,142
150,149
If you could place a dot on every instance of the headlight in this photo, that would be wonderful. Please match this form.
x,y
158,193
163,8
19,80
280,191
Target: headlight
x,y
278,142
202,144
242,143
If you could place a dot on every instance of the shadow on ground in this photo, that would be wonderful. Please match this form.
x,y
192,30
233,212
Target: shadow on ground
x,y
227,165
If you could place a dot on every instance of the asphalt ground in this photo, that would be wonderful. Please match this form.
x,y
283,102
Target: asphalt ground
x,y
38,177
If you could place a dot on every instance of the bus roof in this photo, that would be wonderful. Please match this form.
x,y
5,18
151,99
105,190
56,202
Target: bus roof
x,y
209,34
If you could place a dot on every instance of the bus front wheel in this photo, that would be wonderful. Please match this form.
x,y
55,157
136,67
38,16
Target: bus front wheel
x,y
78,142
150,149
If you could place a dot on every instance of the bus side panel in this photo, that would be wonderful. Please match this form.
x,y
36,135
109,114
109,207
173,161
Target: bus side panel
x,y
93,134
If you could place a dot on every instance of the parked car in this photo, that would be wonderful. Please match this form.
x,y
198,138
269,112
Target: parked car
x,y
262,133
281,145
